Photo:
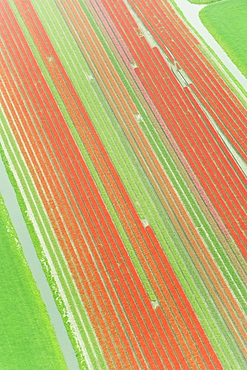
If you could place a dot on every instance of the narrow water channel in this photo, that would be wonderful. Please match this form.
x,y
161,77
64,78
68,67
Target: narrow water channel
x,y
19,224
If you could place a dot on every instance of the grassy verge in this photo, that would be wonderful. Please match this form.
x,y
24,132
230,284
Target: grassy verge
x,y
123,156
124,159
27,338
220,67
105,123
30,194
174,174
203,1
226,21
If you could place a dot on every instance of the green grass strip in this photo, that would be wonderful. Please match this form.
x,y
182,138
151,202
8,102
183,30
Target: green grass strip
x,y
83,150
86,330
201,2
210,54
27,337
227,22
76,74
76,66
205,230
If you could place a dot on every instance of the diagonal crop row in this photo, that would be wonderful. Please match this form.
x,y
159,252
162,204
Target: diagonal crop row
x,y
50,56
177,180
231,122
79,218
84,38
43,235
68,176
234,186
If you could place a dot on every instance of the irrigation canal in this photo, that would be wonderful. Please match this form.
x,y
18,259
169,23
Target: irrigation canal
x,y
19,224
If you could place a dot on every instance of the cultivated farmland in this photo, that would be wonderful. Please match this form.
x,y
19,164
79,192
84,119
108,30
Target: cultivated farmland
x,y
27,338
115,134
231,32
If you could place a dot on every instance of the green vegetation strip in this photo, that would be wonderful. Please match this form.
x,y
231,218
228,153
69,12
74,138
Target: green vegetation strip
x,y
124,159
220,67
138,186
107,127
76,67
76,306
205,230
27,337
227,22
203,1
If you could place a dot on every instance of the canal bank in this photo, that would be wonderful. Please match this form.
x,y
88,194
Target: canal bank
x,y
191,13
19,224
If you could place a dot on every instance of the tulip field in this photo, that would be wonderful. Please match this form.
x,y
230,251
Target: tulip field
x,y
127,151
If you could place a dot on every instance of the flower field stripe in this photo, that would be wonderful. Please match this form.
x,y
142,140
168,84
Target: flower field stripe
x,y
81,312
236,126
237,121
222,86
241,245
132,38
134,41
58,225
185,189
63,234
200,189
55,254
221,206
140,202
87,37
196,120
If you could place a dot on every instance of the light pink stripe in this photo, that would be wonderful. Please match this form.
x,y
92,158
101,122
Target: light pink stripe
x,y
109,25
128,59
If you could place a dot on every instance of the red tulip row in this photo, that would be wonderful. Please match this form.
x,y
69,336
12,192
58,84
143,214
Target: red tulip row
x,y
222,87
86,37
221,179
86,232
97,59
91,283
163,187
231,120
